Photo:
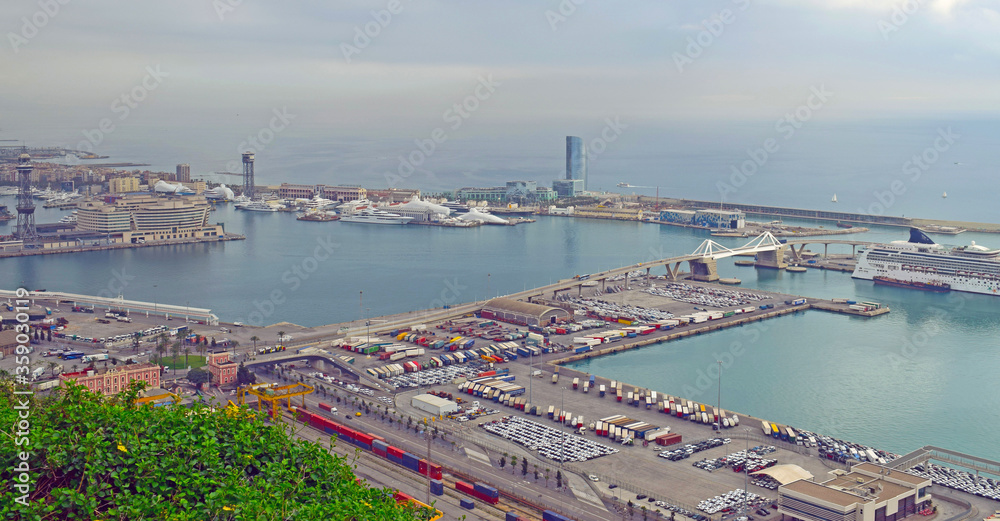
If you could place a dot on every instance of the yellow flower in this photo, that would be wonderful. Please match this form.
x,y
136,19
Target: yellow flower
x,y
226,508
122,448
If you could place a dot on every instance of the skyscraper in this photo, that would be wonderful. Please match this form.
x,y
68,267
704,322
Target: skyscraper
x,y
184,173
576,159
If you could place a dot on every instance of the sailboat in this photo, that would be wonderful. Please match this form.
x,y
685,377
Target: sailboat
x,y
834,198
944,195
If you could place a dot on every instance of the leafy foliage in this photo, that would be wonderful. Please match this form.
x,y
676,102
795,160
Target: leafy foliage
x,y
93,457
198,376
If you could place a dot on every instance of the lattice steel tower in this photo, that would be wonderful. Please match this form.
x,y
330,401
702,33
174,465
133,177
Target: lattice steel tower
x,y
248,174
25,206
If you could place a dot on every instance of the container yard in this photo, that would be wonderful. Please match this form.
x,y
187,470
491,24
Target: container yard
x,y
496,376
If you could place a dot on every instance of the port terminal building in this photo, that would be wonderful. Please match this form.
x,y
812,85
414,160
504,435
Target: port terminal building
x,y
512,192
868,492
334,193
524,313
708,218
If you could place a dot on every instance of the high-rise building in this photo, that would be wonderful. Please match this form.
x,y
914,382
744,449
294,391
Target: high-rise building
x,y
184,173
576,159
123,185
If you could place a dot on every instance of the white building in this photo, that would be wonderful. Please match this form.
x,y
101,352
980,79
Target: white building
x,y
433,404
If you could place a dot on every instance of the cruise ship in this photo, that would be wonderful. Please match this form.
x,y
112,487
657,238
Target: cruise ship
x,y
919,262
368,215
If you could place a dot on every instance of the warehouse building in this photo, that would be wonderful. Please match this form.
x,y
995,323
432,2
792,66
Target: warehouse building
x,y
523,313
867,493
433,405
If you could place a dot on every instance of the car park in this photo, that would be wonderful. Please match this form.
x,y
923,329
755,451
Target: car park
x,y
550,443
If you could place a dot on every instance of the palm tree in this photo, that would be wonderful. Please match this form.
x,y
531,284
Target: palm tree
x,y
187,351
235,344
52,367
254,339
160,349
175,349
281,334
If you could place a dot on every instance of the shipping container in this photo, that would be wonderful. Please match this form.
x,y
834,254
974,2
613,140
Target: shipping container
x,y
602,390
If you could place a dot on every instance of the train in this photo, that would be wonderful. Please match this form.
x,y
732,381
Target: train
x,y
369,442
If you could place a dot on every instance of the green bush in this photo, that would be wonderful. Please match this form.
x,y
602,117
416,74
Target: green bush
x,y
97,458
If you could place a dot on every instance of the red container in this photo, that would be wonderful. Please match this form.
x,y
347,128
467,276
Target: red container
x,y
378,451
324,406
462,486
395,451
487,373
435,470
364,438
422,467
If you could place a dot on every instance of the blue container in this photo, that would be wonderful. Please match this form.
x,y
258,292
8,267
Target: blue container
x,y
468,504
395,459
437,487
512,517
381,445
486,490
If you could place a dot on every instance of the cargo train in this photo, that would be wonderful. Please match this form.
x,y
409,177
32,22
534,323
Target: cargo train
x,y
370,442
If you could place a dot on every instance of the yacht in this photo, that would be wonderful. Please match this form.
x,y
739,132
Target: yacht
x,y
834,198
258,206
319,203
373,216
921,263
241,201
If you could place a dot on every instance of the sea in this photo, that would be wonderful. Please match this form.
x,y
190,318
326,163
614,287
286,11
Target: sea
x,y
922,375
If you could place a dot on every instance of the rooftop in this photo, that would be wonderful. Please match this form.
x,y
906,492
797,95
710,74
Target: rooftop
x,y
824,493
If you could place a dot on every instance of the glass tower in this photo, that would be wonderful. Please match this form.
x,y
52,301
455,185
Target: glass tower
x,y
576,159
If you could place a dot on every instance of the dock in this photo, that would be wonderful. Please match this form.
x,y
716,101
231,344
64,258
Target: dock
x,y
124,246
844,308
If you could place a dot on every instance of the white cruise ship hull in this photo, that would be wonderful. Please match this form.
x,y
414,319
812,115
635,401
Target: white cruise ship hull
x,y
375,220
961,273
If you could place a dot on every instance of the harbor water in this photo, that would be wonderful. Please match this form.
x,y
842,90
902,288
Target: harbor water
x,y
919,375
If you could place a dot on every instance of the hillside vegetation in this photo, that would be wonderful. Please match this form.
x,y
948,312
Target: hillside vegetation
x,y
102,459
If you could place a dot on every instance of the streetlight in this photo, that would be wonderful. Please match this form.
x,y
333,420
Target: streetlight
x,y
368,323
719,419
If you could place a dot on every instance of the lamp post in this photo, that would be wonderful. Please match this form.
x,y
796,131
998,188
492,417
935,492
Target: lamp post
x,y
719,419
368,324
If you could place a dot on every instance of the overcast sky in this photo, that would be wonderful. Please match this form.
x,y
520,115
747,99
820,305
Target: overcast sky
x,y
553,65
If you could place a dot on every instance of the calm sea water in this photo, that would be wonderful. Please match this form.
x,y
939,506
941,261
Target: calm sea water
x,y
919,375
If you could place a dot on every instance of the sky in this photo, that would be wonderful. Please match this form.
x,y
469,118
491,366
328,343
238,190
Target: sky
x,y
503,82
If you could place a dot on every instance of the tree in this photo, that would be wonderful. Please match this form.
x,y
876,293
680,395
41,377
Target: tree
x,y
281,335
535,467
645,513
198,376
547,478
503,462
524,467
235,344
244,375
558,479
160,349
52,368
254,339
187,351
513,463
49,338
213,342
175,349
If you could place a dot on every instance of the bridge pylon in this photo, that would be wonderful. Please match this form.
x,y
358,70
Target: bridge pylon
x,y
705,270
774,259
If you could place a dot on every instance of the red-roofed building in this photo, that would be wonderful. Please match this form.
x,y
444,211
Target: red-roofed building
x,y
115,379
222,368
